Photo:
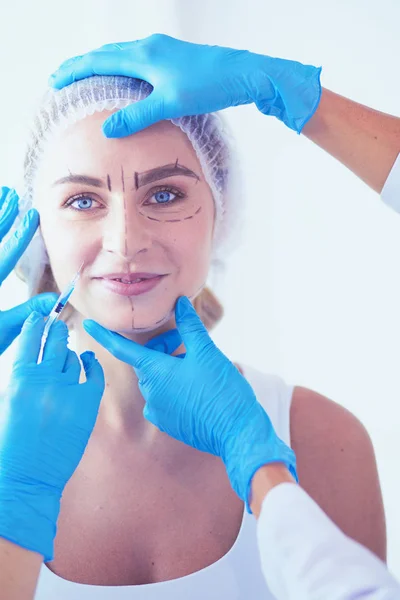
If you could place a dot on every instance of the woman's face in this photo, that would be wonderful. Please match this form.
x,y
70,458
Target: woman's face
x,y
137,209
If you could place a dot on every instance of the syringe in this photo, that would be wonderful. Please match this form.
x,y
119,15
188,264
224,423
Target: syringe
x,y
56,311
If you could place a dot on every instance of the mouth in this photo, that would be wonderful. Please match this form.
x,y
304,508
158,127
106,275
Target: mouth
x,y
132,284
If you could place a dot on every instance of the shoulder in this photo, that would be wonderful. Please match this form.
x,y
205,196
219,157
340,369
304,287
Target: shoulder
x,y
337,466
311,411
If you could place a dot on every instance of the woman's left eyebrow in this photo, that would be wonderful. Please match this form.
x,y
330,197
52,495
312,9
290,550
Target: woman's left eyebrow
x,y
161,173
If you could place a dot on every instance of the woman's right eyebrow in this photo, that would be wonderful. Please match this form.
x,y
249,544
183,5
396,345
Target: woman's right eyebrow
x,y
85,179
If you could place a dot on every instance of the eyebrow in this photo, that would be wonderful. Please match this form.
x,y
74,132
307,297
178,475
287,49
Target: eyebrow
x,y
93,181
162,173
141,179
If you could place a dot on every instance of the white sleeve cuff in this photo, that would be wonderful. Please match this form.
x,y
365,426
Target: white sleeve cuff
x,y
390,193
304,555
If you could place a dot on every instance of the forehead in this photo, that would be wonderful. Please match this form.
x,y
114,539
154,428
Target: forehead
x,y
83,148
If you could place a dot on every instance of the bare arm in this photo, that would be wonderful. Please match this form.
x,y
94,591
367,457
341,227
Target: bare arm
x,y
337,468
364,140
264,480
19,571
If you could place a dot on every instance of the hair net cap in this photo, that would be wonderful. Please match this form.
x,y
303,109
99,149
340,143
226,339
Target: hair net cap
x,y
208,134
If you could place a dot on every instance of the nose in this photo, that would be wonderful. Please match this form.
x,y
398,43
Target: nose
x,y
126,232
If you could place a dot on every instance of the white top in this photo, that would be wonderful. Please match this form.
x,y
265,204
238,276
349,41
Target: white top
x,y
390,193
236,576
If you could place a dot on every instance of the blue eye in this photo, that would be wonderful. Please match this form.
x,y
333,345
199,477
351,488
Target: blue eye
x,y
84,203
163,196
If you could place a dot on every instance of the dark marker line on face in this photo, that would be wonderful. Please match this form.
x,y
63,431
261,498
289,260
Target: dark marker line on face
x,y
151,218
109,182
126,228
171,220
133,313
141,179
170,170
122,178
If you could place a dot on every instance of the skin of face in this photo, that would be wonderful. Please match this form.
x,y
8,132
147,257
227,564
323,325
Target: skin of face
x,y
111,231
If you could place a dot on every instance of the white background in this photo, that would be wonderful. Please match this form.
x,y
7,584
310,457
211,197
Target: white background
x,y
313,293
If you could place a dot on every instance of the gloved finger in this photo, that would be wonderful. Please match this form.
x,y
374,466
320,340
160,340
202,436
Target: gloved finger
x,y
29,341
13,249
193,332
96,63
72,367
42,303
148,414
94,373
136,116
166,342
4,191
126,350
56,349
8,210
12,320
117,46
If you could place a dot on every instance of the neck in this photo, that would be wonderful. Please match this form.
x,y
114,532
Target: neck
x,y
121,410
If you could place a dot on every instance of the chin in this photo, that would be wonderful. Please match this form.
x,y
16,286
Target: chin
x,y
143,323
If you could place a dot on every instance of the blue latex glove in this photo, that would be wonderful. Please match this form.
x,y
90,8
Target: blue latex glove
x,y
46,419
201,399
12,320
192,79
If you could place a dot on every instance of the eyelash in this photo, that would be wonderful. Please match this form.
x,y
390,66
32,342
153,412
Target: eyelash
x,y
179,196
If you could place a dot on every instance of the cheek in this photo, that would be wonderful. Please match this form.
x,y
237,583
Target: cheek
x,y
195,247
66,247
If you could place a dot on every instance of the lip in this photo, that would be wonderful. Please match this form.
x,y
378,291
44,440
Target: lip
x,y
131,289
126,275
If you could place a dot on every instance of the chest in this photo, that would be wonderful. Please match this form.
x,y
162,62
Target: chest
x,y
130,529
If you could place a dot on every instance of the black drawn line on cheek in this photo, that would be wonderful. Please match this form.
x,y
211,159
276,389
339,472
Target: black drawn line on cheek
x,y
109,182
126,229
136,180
130,299
171,220
151,219
133,312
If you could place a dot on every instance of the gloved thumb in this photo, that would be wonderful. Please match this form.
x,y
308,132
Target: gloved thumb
x,y
193,332
166,342
135,117
93,371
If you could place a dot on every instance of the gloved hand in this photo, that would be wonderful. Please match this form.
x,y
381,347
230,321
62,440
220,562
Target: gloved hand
x,y
191,79
12,320
46,419
201,399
